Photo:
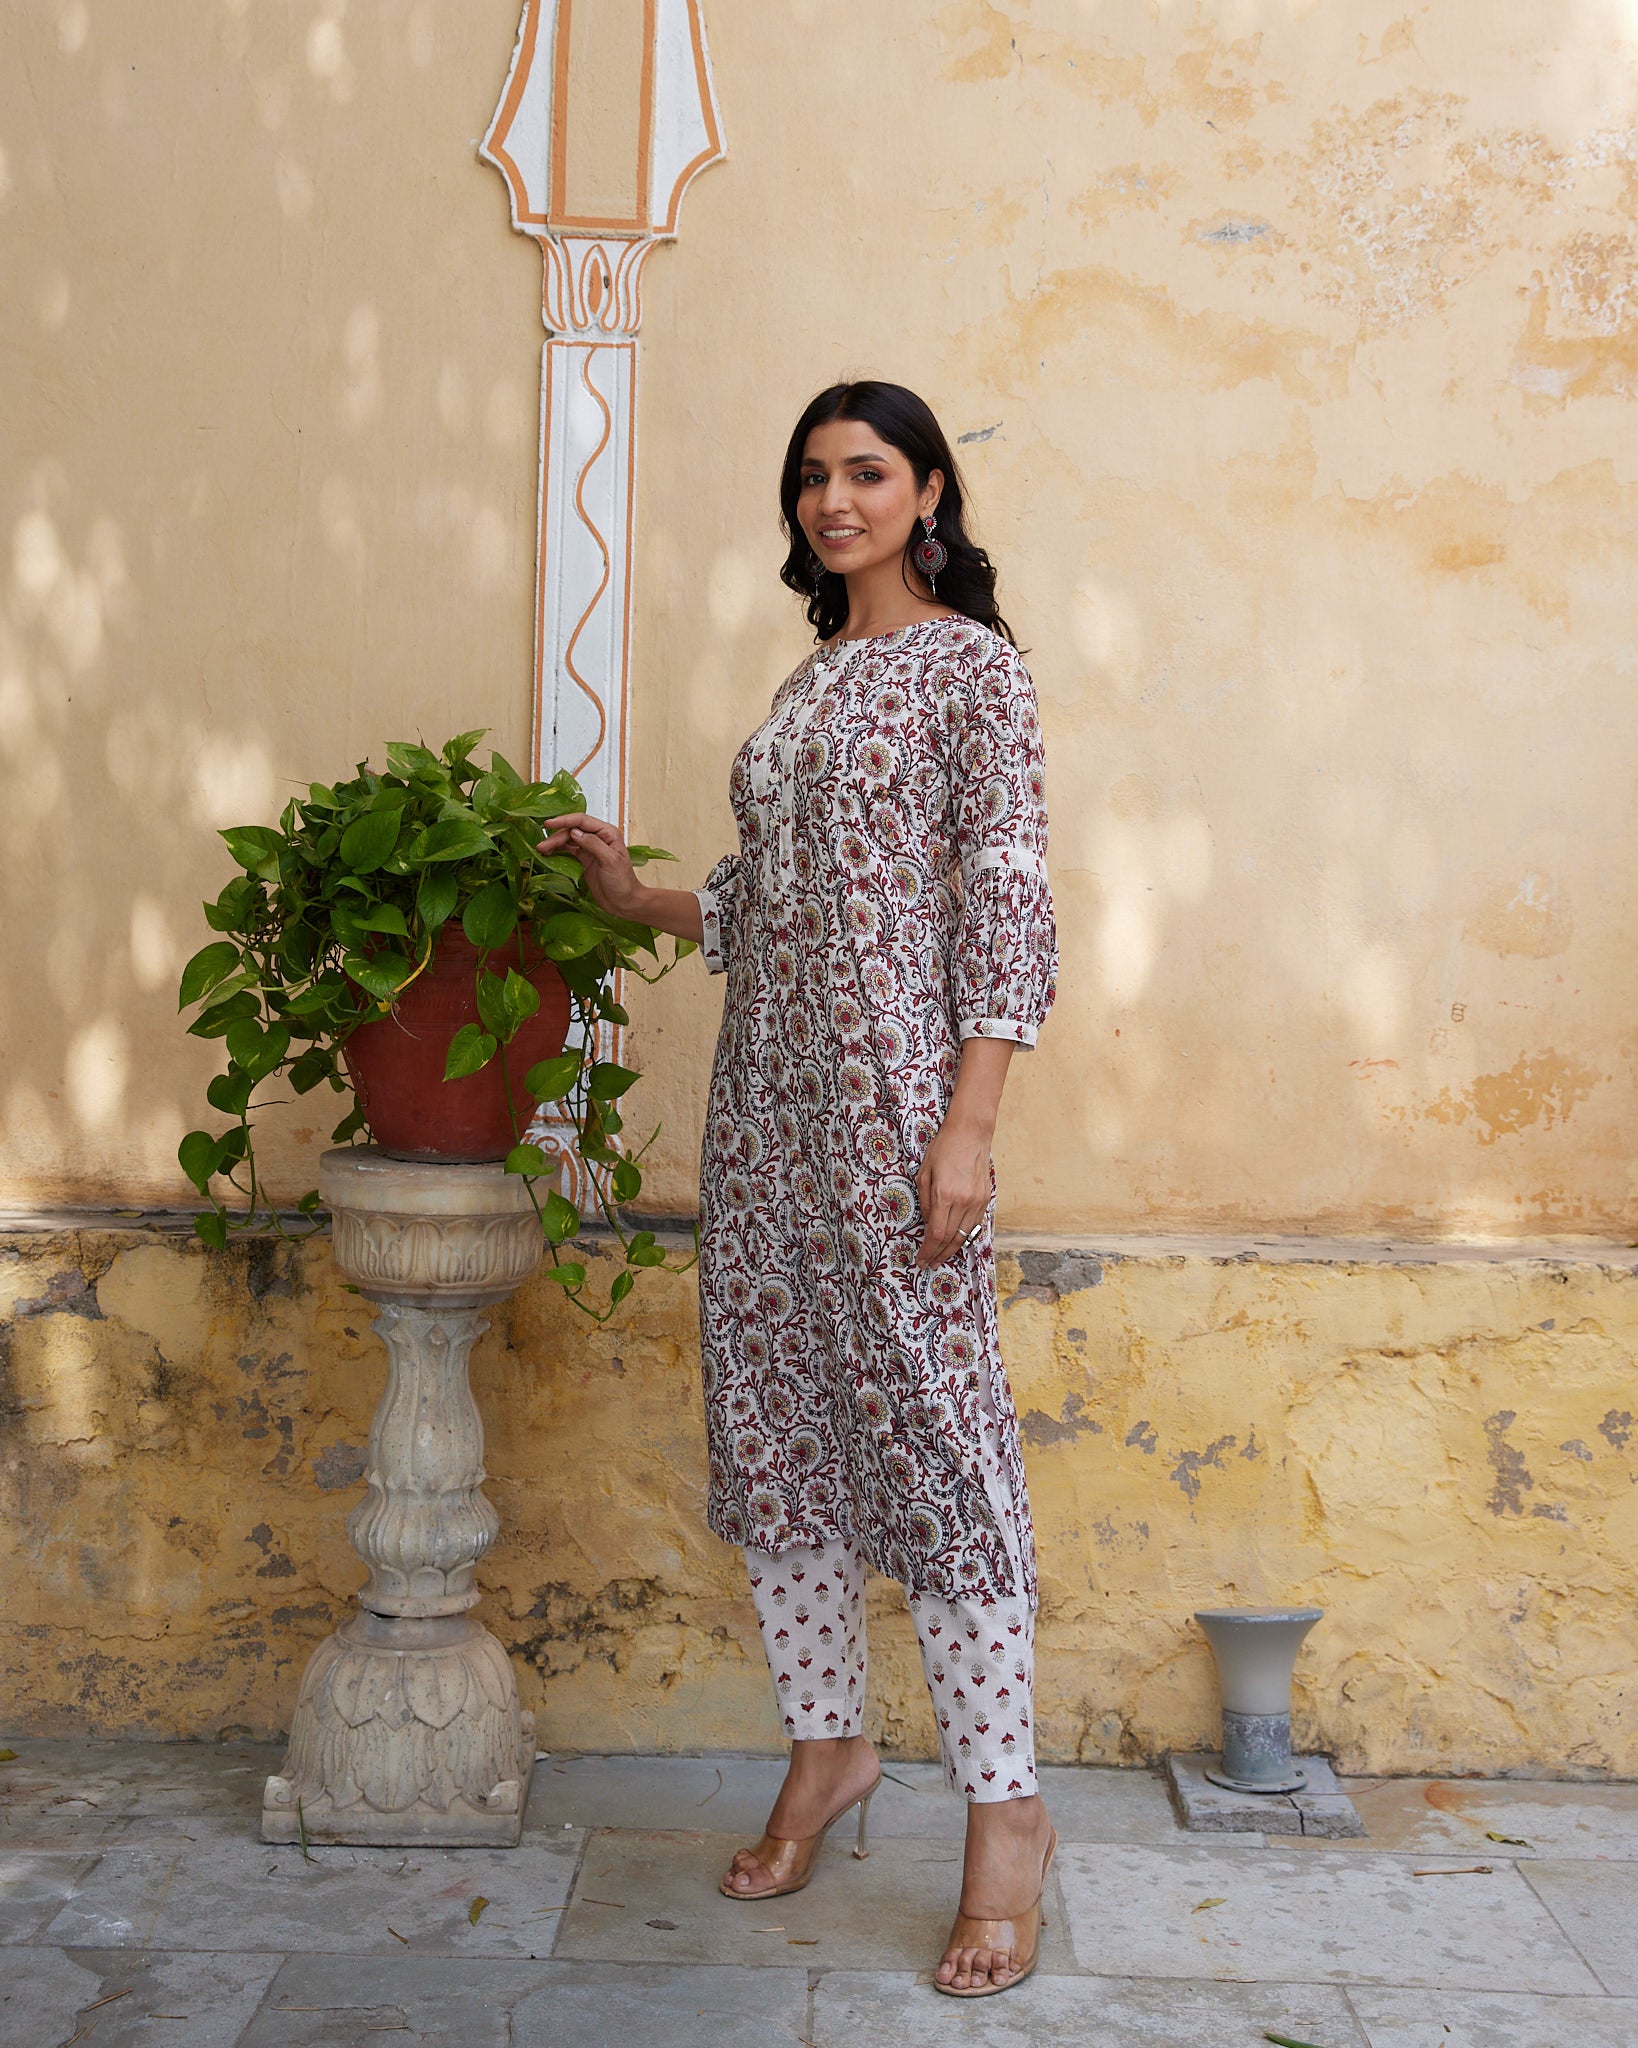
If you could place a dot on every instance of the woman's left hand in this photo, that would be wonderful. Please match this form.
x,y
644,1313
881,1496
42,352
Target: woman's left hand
x,y
953,1185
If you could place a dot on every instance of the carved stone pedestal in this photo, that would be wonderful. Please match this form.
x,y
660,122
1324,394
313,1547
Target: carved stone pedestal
x,y
407,1726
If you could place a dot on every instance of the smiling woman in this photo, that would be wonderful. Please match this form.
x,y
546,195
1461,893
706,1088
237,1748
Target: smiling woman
x,y
887,934
866,463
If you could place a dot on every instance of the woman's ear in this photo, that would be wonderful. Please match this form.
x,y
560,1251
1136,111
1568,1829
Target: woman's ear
x,y
931,492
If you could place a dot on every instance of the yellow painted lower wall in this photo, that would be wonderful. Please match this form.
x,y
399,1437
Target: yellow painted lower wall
x,y
1439,1447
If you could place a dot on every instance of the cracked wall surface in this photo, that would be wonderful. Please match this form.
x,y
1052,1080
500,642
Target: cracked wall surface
x,y
1438,1448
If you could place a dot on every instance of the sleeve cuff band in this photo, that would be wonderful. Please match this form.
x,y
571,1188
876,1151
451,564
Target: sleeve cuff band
x,y
1008,1028
1017,859
711,935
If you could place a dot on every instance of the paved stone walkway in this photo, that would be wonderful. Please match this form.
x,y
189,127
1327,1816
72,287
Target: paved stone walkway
x,y
138,1907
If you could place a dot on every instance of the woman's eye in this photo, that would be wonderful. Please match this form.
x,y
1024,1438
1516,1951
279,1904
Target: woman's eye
x,y
867,476
812,480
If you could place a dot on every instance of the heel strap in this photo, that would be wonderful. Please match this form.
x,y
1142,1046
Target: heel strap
x,y
787,1856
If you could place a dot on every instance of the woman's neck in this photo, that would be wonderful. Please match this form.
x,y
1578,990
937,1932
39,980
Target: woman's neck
x,y
878,601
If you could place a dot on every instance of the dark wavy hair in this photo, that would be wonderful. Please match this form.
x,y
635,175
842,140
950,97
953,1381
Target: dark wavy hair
x,y
966,583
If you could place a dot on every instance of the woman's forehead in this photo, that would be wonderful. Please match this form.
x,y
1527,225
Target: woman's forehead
x,y
847,441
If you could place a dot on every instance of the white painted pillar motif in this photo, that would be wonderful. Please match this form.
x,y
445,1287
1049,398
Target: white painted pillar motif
x,y
607,115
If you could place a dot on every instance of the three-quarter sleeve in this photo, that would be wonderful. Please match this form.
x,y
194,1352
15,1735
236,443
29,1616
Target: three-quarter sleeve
x,y
1006,955
718,901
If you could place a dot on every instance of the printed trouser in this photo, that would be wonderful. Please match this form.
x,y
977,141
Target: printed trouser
x,y
978,1654
979,1661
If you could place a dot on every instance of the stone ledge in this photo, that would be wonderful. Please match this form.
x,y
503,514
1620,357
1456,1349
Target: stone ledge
x,y
1082,1254
1115,1248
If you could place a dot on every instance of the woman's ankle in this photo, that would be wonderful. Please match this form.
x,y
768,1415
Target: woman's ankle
x,y
1017,1816
835,1743
827,1752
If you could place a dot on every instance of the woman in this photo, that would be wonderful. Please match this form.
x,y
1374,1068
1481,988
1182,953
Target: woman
x,y
886,929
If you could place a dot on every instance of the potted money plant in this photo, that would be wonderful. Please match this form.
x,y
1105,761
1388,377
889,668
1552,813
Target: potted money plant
x,y
400,937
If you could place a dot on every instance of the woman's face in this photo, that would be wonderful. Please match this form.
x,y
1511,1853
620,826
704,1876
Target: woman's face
x,y
859,499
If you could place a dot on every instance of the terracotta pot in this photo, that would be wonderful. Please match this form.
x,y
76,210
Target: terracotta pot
x,y
396,1062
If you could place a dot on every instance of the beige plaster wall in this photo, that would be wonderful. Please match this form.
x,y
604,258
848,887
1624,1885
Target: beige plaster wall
x,y
1296,344
1441,1454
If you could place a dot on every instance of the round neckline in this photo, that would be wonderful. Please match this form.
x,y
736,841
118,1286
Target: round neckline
x,y
898,633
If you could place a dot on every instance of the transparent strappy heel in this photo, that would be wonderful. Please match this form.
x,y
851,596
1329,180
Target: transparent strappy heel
x,y
1002,1937
790,1859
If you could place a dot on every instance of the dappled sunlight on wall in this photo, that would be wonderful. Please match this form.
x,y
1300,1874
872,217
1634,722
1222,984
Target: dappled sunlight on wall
x,y
1291,351
1292,361
267,504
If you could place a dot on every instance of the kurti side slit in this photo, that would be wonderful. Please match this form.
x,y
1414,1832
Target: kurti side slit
x,y
889,899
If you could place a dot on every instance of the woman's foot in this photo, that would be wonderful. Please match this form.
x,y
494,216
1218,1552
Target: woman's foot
x,y
1007,1842
823,1778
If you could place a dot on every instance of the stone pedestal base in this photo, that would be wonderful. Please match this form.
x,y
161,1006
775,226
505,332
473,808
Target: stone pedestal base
x,y
407,1726
405,1731
1205,1808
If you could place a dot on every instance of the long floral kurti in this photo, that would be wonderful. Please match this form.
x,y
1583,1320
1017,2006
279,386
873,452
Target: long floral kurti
x,y
889,899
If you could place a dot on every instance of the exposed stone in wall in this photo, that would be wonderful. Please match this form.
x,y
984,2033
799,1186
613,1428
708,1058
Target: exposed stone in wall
x,y
1438,1450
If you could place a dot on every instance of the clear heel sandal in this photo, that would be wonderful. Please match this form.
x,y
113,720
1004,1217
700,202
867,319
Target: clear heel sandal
x,y
859,1848
789,1859
1020,1934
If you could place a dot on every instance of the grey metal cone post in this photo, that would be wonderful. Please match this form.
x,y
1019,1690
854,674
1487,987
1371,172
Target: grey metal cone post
x,y
1256,1651
407,1726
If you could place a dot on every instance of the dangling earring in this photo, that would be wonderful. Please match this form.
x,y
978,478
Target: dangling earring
x,y
816,571
929,555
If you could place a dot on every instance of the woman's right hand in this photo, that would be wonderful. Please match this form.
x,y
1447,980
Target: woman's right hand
x,y
601,852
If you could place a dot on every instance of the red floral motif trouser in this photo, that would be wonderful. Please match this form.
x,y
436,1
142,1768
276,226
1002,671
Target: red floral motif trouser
x,y
978,1655
979,1661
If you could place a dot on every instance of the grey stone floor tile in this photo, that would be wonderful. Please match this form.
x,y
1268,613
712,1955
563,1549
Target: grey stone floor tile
x,y
331,2002
212,1829
346,2001
1457,1816
591,2005
185,2001
1307,1918
107,1779
855,2008
233,1894
65,1833
728,1793
89,1833
1087,1802
1467,2019
892,1911
1596,1904
656,1792
33,1887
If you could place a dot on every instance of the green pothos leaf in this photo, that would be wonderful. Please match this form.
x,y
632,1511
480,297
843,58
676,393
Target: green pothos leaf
x,y
471,1048
200,1156
550,1080
210,965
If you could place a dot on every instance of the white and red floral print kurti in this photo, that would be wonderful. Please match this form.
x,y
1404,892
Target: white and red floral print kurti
x,y
888,900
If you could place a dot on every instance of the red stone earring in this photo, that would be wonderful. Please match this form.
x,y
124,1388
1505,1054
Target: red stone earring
x,y
929,555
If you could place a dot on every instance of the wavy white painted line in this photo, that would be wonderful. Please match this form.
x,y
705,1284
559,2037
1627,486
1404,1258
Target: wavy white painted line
x,y
591,527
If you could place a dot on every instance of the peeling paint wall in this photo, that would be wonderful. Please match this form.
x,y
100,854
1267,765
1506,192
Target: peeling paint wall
x,y
1291,348
1441,1452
